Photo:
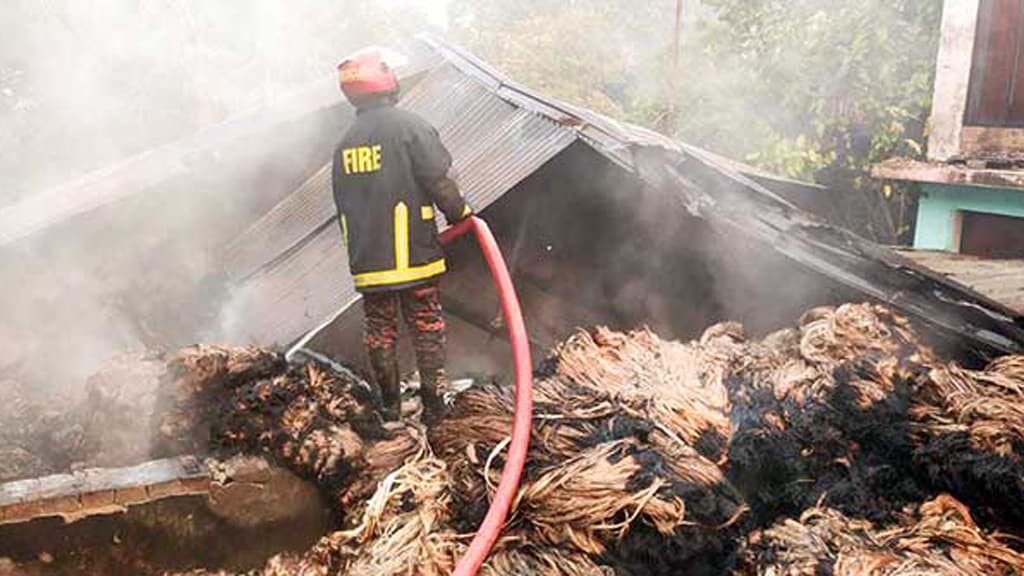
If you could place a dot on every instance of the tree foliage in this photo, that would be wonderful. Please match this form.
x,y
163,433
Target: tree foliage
x,y
594,54
810,89
828,89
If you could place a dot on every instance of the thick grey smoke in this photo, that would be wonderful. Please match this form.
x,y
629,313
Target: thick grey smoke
x,y
86,86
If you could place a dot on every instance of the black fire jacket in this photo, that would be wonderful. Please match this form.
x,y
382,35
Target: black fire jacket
x,y
390,169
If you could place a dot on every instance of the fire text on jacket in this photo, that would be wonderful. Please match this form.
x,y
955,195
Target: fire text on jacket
x,y
361,159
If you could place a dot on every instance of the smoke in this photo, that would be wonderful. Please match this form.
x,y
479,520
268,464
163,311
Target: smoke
x,y
85,86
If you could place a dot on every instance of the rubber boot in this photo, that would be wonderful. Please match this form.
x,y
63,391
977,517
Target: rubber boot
x,y
385,371
433,405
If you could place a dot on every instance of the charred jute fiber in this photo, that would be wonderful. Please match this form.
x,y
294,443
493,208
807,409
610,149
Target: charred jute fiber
x,y
849,406
404,528
822,411
968,431
674,387
200,377
616,468
319,423
646,453
624,431
938,537
398,530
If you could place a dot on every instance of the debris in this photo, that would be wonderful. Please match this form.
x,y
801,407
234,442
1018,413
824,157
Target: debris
x,y
610,458
44,433
968,431
820,411
826,447
939,537
201,376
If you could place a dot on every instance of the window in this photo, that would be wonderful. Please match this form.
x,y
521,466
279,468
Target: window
x,y
996,93
991,235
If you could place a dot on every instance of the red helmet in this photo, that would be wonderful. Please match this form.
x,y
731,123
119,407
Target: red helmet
x,y
365,74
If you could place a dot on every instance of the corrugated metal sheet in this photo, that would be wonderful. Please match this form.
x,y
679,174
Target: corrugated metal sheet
x,y
280,303
734,209
614,139
494,144
291,263
500,132
285,227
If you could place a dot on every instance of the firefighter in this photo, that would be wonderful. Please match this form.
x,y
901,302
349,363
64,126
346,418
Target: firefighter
x,y
389,172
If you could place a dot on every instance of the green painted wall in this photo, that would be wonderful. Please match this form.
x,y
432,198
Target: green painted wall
x,y
936,211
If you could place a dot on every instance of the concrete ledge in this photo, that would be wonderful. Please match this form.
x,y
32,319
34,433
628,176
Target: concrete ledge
x,y
243,490
101,490
941,173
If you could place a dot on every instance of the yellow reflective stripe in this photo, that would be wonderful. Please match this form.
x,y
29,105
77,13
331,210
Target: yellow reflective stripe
x,y
400,276
402,272
401,236
427,212
466,211
344,230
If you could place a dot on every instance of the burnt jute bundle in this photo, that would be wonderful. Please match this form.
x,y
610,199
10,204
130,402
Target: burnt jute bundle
x,y
840,433
321,424
673,386
821,411
615,469
199,378
624,427
968,430
850,409
938,537
541,560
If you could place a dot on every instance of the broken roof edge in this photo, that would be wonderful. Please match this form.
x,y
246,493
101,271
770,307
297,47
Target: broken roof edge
x,y
999,279
829,250
847,258
612,137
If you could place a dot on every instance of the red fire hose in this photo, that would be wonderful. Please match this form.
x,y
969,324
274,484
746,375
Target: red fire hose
x,y
491,527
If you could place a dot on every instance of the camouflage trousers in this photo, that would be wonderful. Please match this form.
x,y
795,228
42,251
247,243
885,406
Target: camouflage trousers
x,y
421,308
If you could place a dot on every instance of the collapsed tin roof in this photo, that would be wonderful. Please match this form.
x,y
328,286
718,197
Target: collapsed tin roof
x,y
291,267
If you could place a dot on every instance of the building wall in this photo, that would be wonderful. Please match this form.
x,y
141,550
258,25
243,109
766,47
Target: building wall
x,y
939,205
952,78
